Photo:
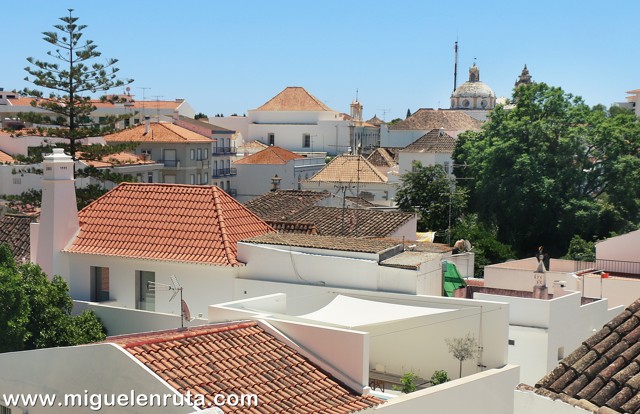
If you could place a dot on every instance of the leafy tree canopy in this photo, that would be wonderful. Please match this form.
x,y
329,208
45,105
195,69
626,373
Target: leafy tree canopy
x,y
36,311
74,74
552,167
433,194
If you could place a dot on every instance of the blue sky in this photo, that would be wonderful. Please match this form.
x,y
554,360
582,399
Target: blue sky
x,y
232,56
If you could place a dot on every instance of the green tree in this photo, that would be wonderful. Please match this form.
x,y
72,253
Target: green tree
x,y
462,348
484,239
433,194
73,75
200,115
408,114
36,311
552,167
581,250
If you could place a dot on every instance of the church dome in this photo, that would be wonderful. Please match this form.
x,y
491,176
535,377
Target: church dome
x,y
473,94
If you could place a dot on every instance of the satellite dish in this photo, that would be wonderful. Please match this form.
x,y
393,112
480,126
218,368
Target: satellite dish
x,y
128,89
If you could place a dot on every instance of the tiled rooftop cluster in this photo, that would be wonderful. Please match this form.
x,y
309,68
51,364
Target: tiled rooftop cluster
x,y
294,98
293,227
428,119
433,141
158,132
282,205
167,222
270,156
14,231
326,242
241,358
6,158
603,374
349,169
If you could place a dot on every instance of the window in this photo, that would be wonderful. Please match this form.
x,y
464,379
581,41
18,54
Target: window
x,y
205,154
5,410
560,353
17,181
99,284
192,179
306,141
512,341
149,177
192,154
145,294
205,178
446,167
199,153
271,138
199,181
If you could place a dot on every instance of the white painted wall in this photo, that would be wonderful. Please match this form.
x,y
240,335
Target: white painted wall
x,y
239,124
427,159
489,392
545,331
94,369
531,403
309,266
20,145
623,248
618,291
15,179
383,193
202,284
492,323
518,274
398,138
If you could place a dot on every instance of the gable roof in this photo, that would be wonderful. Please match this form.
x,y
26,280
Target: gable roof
x,y
159,132
428,119
14,231
281,205
433,141
173,222
335,221
294,98
6,158
205,125
381,158
270,155
604,371
349,169
242,358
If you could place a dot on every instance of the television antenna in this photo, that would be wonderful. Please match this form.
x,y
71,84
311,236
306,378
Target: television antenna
x,y
176,288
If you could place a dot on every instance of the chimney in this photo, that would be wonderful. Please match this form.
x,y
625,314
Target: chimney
x,y
540,290
147,124
441,133
176,116
59,216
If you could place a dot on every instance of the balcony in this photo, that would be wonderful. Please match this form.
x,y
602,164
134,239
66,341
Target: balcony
x,y
224,172
171,163
224,151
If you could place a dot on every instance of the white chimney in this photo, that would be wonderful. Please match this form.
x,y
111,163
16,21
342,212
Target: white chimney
x,y
59,215
540,290
147,124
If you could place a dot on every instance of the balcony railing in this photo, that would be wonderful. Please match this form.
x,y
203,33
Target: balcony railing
x,y
224,150
223,172
171,163
611,266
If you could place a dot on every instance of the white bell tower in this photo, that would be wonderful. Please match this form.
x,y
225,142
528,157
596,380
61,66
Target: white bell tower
x,y
58,217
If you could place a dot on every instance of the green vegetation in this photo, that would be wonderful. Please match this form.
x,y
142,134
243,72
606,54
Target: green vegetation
x,y
74,73
408,382
36,311
462,348
439,377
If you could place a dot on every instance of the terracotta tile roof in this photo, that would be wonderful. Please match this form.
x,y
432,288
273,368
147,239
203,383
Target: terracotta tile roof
x,y
359,202
159,132
14,231
375,121
174,222
252,144
428,119
270,155
114,160
351,244
604,371
283,204
147,105
382,158
433,141
205,125
335,221
6,158
242,358
294,98
295,227
349,169
20,101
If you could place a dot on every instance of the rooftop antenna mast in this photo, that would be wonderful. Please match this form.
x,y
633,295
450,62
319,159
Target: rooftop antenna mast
x,y
144,90
185,313
158,106
384,113
455,66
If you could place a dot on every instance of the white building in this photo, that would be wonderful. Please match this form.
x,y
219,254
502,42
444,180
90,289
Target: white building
x,y
433,148
256,172
474,97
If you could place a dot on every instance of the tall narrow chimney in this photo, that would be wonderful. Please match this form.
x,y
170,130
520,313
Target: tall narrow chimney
x,y
147,124
540,290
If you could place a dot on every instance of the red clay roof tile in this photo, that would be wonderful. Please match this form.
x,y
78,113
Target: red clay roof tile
x,y
172,222
271,156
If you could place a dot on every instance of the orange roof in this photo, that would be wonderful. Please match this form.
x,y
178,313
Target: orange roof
x,y
114,160
159,132
294,98
349,168
270,155
6,158
174,222
242,358
20,101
